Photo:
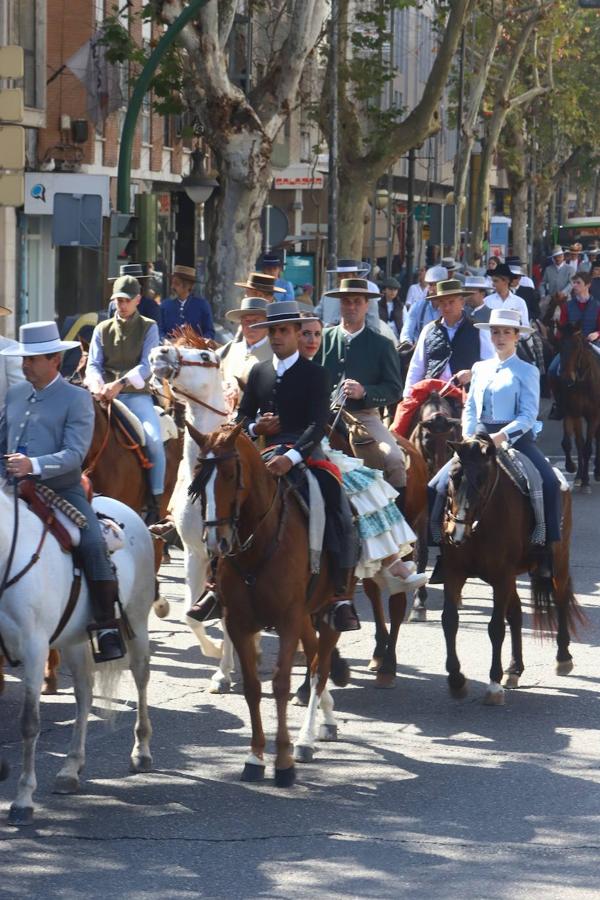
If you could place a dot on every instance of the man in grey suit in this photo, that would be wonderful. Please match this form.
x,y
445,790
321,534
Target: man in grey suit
x,y
46,430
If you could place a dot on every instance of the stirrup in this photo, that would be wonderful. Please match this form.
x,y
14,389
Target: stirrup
x,y
95,635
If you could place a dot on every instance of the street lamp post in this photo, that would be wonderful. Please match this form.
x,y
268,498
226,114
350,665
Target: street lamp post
x,y
135,102
332,210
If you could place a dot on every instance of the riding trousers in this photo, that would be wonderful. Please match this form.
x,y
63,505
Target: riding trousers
x,y
143,407
92,552
394,467
550,484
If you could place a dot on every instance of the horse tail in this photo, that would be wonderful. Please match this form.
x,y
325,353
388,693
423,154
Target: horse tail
x,y
550,594
108,676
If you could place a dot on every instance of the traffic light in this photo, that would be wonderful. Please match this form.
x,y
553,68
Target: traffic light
x,y
123,241
12,135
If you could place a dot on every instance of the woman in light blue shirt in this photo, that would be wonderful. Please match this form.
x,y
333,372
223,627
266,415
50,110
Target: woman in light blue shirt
x,y
504,400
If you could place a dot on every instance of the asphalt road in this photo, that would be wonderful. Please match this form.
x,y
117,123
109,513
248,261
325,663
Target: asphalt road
x,y
422,795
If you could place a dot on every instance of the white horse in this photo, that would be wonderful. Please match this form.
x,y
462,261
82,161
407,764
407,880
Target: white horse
x,y
193,375
30,611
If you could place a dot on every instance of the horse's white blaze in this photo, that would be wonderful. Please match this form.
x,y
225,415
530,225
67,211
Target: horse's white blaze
x,y
211,510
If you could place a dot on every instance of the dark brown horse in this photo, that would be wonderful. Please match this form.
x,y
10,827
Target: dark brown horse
x,y
486,534
384,659
259,533
436,424
579,388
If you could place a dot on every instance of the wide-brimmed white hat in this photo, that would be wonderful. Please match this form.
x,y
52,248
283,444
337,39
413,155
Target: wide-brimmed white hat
x,y
38,338
435,274
557,251
510,318
478,283
344,266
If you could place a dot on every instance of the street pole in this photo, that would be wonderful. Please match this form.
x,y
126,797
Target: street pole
x,y
333,185
135,102
410,221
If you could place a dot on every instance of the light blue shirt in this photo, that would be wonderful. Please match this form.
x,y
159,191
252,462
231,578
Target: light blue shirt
x,y
288,288
419,315
503,392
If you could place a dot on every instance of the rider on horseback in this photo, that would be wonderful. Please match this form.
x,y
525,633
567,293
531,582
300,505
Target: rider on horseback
x,y
46,431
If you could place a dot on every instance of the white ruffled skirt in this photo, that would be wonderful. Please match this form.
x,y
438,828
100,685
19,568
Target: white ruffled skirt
x,y
383,529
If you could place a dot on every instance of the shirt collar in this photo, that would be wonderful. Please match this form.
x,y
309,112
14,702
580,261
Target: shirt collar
x,y
504,362
350,336
255,346
282,365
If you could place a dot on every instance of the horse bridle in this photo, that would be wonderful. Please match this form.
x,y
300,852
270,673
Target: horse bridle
x,y
484,500
204,364
233,521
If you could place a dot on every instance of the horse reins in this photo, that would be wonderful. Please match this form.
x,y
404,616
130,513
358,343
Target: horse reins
x,y
450,515
201,364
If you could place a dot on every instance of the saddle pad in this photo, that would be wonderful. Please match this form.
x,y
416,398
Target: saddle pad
x,y
511,463
130,421
168,428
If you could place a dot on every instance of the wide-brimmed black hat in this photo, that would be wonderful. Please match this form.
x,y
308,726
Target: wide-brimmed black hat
x,y
283,311
136,270
501,271
258,281
353,286
271,259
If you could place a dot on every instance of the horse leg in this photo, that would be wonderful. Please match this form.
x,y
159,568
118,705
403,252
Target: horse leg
x,y
254,768
597,456
21,810
50,685
419,610
386,675
285,773
514,617
1,674
195,577
567,444
497,629
371,589
452,587
309,642
563,598
587,455
579,442
304,747
220,683
79,663
139,663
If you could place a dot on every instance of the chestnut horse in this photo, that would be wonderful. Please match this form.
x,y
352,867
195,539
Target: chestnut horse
x,y
579,387
259,533
486,535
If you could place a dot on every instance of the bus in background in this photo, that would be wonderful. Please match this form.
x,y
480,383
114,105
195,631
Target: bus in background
x,y
584,230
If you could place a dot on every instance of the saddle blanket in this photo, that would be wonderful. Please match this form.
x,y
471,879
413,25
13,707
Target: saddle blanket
x,y
168,428
528,480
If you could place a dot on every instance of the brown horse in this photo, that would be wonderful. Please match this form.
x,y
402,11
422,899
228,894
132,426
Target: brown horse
x,y
259,534
486,534
384,660
579,388
436,424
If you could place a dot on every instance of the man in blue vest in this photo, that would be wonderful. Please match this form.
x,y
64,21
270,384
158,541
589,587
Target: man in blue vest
x,y
425,310
583,310
185,308
448,347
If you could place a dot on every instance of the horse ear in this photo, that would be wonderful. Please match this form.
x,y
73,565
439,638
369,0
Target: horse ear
x,y
235,431
456,446
199,438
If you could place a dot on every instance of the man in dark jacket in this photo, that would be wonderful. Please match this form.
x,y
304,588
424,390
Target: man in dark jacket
x,y
185,308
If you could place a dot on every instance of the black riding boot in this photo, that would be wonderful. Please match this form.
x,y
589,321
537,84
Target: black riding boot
x,y
103,596
153,510
542,561
400,500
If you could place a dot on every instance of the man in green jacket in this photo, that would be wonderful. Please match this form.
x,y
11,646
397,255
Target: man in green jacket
x,y
365,369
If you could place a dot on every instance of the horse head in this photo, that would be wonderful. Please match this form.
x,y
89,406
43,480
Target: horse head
x,y
473,479
434,431
220,484
190,372
573,354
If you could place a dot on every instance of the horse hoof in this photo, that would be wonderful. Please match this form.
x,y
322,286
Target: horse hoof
x,y
161,608
219,687
285,778
375,664
20,815
586,489
510,680
339,672
577,482
564,667
458,686
302,696
4,770
494,698
418,614
327,732
50,687
303,753
66,784
252,772
570,467
140,764
385,680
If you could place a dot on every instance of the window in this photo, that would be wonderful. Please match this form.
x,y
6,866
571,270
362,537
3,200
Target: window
x,y
25,34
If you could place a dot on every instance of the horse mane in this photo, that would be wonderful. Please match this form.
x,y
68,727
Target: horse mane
x,y
186,336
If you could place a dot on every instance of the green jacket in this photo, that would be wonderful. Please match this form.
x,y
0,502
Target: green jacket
x,y
370,359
